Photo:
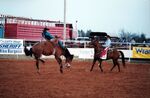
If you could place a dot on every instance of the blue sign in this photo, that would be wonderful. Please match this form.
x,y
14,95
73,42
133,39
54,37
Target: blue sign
x,y
11,46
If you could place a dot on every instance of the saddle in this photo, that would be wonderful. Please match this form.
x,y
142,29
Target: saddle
x,y
104,53
54,41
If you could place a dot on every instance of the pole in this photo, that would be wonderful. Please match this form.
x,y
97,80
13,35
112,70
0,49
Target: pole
x,y
76,29
64,35
130,54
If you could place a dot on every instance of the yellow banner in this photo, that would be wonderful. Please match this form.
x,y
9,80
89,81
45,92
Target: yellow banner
x,y
141,52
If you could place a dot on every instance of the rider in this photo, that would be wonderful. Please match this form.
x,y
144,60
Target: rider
x,y
47,35
106,46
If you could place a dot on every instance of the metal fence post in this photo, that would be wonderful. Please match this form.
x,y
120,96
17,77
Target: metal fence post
x,y
130,50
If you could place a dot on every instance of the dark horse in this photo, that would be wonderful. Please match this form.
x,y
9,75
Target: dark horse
x,y
49,48
113,54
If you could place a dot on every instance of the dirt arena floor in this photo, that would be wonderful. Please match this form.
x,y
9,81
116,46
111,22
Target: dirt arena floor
x,y
19,79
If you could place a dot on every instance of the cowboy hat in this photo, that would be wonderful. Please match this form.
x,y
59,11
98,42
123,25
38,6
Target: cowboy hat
x,y
108,36
46,28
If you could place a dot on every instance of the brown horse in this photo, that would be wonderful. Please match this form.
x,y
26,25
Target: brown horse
x,y
49,48
113,54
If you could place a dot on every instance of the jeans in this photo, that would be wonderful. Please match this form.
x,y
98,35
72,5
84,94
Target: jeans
x,y
61,44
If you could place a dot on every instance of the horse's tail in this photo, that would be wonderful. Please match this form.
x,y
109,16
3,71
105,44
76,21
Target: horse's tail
x,y
27,51
123,58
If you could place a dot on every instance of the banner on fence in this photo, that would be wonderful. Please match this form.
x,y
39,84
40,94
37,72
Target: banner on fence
x,y
11,46
141,52
86,53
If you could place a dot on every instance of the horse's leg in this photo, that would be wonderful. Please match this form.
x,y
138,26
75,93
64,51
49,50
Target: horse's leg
x,y
93,64
100,64
113,65
42,60
37,65
118,65
60,63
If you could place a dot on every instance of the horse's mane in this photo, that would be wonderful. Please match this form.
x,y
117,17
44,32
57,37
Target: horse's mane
x,y
96,43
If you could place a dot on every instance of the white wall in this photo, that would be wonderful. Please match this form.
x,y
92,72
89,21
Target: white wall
x,y
88,53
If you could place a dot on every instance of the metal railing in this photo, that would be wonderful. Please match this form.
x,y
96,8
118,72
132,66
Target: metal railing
x,y
85,44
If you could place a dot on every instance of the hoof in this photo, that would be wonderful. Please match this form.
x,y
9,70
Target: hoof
x,y
38,72
67,65
61,71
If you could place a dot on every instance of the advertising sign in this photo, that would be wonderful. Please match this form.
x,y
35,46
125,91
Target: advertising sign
x,y
86,53
141,52
11,46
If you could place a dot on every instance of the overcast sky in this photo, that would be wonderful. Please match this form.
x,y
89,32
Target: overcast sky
x,y
98,15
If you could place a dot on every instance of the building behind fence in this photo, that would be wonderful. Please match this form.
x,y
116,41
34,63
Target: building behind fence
x,y
12,27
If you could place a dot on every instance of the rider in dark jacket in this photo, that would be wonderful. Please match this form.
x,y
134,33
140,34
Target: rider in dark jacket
x,y
47,35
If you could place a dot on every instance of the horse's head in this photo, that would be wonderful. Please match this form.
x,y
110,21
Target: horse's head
x,y
94,43
69,60
69,57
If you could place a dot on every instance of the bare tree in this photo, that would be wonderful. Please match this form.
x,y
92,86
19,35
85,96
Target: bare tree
x,y
128,36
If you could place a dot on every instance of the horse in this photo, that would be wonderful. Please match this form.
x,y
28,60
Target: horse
x,y
113,54
48,48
